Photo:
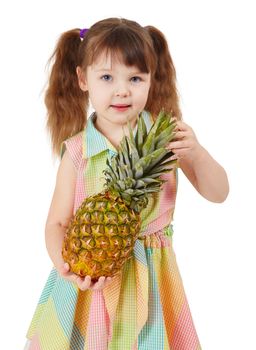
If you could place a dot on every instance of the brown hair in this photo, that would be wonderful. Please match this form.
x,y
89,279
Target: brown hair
x,y
145,48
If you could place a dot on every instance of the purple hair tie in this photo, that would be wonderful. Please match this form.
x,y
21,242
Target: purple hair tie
x,y
82,32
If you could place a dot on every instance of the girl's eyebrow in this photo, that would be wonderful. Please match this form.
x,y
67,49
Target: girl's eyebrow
x,y
103,69
110,70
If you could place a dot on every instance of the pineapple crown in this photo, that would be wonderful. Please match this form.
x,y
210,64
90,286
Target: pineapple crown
x,y
135,171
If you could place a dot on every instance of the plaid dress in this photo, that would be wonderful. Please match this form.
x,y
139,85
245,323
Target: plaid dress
x,y
145,307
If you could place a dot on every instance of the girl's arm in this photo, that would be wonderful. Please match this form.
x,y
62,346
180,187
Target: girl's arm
x,y
206,175
60,213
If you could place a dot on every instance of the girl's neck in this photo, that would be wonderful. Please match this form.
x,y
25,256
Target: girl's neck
x,y
114,133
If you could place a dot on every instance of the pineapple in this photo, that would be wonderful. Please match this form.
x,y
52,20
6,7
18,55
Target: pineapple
x,y
101,236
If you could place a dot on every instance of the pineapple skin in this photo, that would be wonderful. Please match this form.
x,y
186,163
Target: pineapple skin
x,y
101,236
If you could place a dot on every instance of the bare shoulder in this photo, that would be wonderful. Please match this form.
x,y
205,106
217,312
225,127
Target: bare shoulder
x,y
66,167
61,209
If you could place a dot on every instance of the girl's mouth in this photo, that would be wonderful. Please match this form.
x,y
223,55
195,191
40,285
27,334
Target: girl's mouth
x,y
120,107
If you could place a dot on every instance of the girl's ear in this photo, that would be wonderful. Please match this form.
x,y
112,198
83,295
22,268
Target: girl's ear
x,y
81,79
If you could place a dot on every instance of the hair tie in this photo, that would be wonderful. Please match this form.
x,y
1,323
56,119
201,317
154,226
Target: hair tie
x,y
82,33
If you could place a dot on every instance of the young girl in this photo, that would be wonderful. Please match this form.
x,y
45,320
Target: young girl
x,y
125,70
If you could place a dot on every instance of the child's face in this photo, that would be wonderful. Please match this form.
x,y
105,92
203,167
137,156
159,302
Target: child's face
x,y
117,92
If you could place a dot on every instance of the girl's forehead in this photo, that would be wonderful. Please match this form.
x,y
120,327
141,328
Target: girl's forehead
x,y
112,60
109,60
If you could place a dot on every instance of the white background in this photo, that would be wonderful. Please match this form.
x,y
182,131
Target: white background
x,y
213,47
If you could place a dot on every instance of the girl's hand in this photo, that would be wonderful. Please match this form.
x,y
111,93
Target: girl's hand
x,y
84,283
185,143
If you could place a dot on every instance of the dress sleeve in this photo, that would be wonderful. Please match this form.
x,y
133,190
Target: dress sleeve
x,y
74,146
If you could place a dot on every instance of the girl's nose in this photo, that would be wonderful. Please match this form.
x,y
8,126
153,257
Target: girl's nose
x,y
122,91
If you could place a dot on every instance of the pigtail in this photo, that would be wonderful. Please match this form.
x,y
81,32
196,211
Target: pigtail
x,y
66,103
163,93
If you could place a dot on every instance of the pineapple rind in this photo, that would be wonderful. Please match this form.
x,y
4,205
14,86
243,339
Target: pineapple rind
x,y
98,242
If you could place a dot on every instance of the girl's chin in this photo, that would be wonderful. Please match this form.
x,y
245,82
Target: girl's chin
x,y
123,120
119,118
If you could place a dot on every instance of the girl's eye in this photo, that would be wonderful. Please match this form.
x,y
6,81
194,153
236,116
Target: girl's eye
x,y
136,79
106,77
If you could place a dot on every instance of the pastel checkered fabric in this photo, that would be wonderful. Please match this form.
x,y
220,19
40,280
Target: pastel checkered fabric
x,y
145,307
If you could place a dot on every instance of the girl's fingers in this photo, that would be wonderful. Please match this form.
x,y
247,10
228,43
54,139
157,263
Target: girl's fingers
x,y
176,144
66,267
64,270
99,284
70,276
181,152
107,281
83,283
86,282
182,126
174,157
180,135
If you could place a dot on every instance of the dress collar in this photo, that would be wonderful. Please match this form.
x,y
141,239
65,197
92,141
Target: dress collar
x,y
94,142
